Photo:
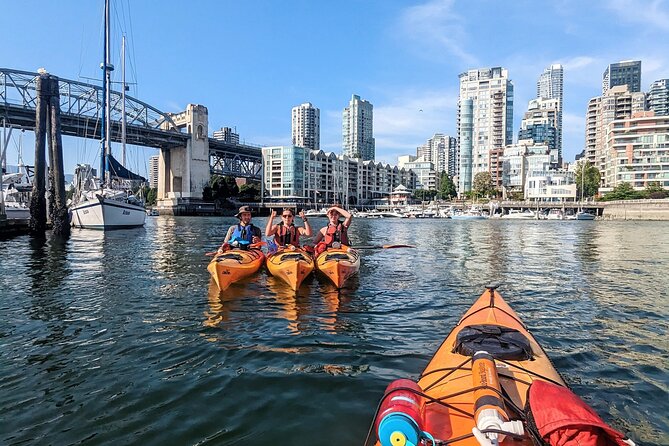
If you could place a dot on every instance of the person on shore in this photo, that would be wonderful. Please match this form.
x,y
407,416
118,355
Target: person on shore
x,y
243,234
285,232
335,233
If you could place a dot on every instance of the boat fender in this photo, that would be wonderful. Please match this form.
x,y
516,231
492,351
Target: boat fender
x,y
488,405
400,417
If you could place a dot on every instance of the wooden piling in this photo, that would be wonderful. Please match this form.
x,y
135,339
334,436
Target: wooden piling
x,y
38,200
59,218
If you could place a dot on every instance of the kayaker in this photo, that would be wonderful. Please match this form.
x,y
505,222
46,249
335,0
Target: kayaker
x,y
244,233
335,233
285,232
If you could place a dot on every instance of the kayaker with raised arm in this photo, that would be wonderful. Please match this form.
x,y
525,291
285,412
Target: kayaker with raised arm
x,y
335,233
244,233
285,232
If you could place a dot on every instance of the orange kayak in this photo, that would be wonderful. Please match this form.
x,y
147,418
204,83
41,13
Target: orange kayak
x,y
290,264
233,265
482,369
338,264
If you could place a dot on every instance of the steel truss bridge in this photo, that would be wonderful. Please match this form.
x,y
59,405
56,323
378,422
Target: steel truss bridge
x,y
80,113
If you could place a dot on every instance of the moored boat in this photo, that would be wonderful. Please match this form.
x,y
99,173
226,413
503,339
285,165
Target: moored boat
x,y
338,264
233,265
291,264
489,383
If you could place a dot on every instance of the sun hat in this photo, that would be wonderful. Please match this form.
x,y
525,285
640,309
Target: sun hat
x,y
242,210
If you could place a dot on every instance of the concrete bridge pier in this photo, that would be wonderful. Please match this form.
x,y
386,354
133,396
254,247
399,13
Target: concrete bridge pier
x,y
184,171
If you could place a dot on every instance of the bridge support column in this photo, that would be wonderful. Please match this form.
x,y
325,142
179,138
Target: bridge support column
x,y
184,171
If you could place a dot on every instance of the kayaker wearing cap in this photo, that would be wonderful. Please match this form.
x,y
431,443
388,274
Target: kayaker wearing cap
x,y
336,230
285,232
243,233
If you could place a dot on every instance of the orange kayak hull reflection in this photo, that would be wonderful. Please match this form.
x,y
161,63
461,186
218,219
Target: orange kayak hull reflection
x,y
233,265
291,265
338,264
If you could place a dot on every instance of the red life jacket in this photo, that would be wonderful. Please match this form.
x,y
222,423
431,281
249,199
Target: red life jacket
x,y
287,235
336,233
563,419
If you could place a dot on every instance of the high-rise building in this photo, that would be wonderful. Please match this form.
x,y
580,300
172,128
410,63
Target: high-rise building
x,y
306,126
358,130
636,151
490,125
618,103
153,171
440,151
627,72
226,134
658,97
550,86
540,124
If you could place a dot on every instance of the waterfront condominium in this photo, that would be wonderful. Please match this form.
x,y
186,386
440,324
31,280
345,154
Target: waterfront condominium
x,y
617,103
550,86
306,126
627,72
440,150
357,129
637,151
540,124
658,97
484,124
153,171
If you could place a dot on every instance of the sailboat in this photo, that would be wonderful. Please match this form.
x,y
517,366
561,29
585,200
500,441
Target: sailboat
x,y
107,206
16,188
581,214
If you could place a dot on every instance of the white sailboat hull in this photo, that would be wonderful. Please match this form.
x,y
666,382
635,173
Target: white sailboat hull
x,y
107,214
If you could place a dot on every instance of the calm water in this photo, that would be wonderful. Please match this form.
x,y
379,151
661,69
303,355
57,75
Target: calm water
x,y
119,337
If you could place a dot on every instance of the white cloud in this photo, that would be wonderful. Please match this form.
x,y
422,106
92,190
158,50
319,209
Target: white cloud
x,y
654,14
433,28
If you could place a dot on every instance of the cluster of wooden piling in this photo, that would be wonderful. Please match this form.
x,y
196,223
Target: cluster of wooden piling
x,y
47,126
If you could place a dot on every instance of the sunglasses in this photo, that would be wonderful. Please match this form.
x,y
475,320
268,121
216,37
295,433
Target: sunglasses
x,y
287,216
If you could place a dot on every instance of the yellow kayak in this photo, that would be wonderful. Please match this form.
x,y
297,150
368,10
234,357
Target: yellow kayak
x,y
338,264
291,264
230,266
479,377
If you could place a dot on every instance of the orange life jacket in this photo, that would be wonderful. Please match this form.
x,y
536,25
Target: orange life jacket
x,y
287,235
336,233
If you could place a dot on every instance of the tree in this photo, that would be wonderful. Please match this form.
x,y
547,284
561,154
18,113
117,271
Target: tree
x,y
233,189
447,188
623,191
590,180
249,192
425,194
482,186
655,190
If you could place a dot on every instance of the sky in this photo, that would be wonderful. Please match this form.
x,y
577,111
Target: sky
x,y
249,62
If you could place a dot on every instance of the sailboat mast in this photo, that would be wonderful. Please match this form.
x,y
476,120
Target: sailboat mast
x,y
123,104
107,94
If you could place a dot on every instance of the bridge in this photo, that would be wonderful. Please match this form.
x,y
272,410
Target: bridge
x,y
187,155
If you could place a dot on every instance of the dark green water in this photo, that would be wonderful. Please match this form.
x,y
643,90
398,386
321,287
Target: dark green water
x,y
119,338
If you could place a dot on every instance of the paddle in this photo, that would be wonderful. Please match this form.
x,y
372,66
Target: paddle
x,y
251,246
382,246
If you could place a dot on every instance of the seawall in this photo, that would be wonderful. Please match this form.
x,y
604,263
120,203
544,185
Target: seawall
x,y
636,210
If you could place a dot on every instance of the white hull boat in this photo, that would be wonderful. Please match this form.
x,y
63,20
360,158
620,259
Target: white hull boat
x,y
104,212
582,215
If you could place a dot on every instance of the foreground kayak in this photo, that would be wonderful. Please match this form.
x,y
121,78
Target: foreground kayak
x,y
338,264
233,265
291,264
489,383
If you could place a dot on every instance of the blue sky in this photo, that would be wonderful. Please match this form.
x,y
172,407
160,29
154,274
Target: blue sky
x,y
250,61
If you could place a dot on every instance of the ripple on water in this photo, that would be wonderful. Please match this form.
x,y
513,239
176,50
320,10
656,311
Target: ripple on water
x,y
120,338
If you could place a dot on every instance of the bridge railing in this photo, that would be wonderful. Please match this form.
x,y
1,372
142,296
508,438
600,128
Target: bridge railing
x,y
81,99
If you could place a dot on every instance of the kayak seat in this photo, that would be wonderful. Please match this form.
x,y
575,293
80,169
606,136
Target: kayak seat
x,y
500,342
232,256
337,256
296,256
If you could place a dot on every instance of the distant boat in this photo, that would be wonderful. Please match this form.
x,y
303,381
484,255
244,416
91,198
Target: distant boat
x,y
526,214
583,215
555,214
107,205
